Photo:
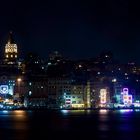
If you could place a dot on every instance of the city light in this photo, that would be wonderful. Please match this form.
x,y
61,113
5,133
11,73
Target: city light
x,y
125,91
103,111
126,110
77,105
19,79
103,96
4,89
127,98
114,80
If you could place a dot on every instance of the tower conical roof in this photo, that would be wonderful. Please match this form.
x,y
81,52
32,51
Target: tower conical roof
x,y
10,38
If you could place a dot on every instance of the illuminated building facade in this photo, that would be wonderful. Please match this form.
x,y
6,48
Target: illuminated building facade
x,y
75,99
104,98
11,51
88,96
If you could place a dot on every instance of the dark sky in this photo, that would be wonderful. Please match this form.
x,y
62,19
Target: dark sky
x,y
77,29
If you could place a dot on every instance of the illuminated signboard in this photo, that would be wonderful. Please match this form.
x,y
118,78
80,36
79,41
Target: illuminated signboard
x,y
3,89
125,91
127,98
103,93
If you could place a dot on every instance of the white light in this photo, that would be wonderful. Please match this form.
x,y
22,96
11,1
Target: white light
x,y
102,111
98,73
114,80
49,63
19,79
6,100
30,92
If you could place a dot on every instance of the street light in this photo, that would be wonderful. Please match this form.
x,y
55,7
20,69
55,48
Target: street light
x,y
114,80
19,80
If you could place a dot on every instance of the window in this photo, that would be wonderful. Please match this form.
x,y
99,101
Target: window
x,y
73,102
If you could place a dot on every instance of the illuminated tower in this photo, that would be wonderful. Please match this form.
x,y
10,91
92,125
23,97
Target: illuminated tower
x,y
11,51
88,102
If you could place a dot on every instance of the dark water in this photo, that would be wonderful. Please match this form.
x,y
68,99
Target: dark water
x,y
74,125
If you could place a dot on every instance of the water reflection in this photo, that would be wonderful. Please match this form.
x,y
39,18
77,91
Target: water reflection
x,y
126,110
74,112
103,120
20,119
5,111
65,112
104,124
137,110
103,111
20,124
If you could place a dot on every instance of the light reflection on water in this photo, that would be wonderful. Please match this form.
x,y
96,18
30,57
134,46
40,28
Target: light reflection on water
x,y
103,111
14,124
106,124
103,118
126,110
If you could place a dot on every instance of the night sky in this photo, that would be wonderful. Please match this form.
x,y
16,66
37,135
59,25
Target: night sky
x,y
77,29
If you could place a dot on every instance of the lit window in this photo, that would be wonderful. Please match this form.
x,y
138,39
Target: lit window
x,y
11,55
6,56
30,92
73,102
6,50
15,56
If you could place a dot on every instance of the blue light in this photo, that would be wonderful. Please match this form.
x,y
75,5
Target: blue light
x,y
126,110
5,111
4,89
64,111
137,110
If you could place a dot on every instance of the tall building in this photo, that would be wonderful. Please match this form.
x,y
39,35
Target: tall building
x,y
11,50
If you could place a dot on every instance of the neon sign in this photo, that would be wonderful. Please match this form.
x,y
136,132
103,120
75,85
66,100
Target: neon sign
x,y
127,98
125,91
4,89
103,93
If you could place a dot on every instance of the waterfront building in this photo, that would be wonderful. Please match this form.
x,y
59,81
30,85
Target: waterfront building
x,y
75,99
57,87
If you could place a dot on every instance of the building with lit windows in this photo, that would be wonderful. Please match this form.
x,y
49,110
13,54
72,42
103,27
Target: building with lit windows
x,y
57,88
75,99
100,95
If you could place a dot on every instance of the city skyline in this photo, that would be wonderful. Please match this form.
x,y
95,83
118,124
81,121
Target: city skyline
x,y
75,29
